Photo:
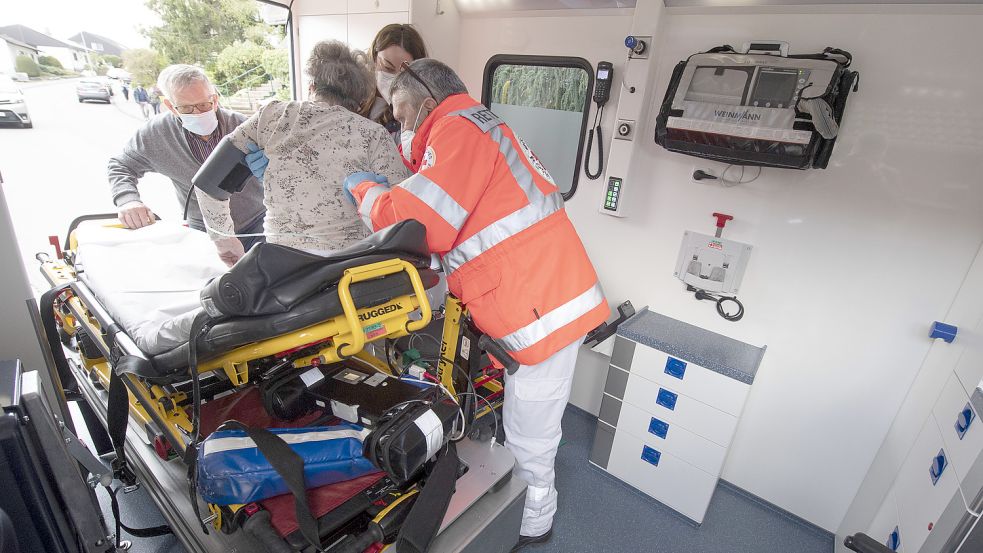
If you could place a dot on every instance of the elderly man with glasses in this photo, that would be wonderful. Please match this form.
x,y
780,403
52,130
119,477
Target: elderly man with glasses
x,y
175,146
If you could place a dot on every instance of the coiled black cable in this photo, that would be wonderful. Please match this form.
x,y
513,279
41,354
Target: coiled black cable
x,y
600,147
720,300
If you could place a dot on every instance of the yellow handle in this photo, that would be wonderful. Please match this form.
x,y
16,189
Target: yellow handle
x,y
369,272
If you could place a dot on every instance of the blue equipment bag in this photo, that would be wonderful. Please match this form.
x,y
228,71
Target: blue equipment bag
x,y
238,465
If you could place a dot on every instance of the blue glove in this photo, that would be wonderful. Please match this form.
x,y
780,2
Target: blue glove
x,y
257,161
358,178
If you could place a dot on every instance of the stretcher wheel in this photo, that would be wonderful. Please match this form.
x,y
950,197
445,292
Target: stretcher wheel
x,y
162,447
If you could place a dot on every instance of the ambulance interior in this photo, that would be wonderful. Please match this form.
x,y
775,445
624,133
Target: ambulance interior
x,y
797,363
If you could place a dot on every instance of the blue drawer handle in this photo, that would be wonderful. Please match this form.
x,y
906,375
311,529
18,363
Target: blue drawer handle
x,y
675,367
666,399
963,420
650,455
894,540
939,463
659,428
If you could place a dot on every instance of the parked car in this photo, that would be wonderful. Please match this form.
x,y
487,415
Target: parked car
x,y
13,106
92,89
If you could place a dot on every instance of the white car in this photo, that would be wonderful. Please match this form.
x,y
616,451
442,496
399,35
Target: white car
x,y
13,106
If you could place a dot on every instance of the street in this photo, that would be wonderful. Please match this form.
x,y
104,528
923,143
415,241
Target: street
x,y
56,171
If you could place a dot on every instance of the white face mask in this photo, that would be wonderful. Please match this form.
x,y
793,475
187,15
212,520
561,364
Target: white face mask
x,y
406,140
384,82
202,124
406,137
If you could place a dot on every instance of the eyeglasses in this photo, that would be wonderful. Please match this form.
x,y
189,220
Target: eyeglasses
x,y
190,108
406,67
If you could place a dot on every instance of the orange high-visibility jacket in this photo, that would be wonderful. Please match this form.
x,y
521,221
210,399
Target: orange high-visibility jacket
x,y
496,219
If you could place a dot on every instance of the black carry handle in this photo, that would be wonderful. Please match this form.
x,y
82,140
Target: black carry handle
x,y
862,543
496,350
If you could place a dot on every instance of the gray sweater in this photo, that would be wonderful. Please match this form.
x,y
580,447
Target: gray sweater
x,y
161,146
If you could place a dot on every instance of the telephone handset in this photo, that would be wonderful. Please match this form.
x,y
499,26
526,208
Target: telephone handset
x,y
602,93
602,84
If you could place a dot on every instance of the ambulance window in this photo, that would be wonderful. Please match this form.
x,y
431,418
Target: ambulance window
x,y
544,99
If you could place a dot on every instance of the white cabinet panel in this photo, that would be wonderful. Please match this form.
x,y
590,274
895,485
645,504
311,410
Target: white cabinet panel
x,y
312,29
672,438
362,27
961,427
662,475
698,382
886,525
376,6
675,408
925,485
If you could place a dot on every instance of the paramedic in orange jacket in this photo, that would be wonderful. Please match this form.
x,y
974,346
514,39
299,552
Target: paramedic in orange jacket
x,y
496,219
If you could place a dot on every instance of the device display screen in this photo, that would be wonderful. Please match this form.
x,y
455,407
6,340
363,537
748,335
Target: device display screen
x,y
775,87
602,74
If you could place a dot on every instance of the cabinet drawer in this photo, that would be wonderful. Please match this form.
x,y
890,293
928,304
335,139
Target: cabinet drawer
x,y
672,438
886,527
662,475
697,382
961,427
970,368
925,485
669,405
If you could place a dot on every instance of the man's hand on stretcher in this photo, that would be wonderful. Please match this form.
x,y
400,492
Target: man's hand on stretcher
x,y
135,215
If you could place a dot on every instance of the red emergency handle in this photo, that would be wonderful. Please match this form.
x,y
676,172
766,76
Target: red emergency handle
x,y
722,219
53,240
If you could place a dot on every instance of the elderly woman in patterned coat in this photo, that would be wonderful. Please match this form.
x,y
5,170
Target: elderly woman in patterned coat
x,y
312,146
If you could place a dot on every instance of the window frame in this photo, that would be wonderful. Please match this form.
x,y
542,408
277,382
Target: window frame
x,y
571,62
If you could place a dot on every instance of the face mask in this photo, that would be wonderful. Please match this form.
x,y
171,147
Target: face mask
x,y
202,124
406,137
384,82
406,141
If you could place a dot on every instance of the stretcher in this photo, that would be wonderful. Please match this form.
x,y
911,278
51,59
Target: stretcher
x,y
122,317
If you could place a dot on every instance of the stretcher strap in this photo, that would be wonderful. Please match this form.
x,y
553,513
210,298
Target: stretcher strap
x,y
290,466
49,322
150,532
423,521
199,326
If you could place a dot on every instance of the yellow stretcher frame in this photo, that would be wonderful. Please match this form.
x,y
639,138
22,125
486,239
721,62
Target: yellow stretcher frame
x,y
344,336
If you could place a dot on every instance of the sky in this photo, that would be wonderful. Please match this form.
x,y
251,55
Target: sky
x,y
119,20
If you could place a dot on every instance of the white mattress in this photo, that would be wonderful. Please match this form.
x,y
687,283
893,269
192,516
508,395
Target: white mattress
x,y
148,279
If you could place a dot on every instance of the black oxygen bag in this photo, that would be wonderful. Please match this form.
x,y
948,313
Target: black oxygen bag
x,y
757,109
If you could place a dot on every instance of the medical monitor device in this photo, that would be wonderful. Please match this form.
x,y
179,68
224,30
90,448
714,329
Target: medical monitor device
x,y
224,172
757,107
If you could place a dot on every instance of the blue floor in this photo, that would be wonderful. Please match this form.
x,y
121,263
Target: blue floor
x,y
600,513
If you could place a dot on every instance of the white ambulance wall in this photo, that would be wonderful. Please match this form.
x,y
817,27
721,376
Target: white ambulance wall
x,y
440,25
851,264
17,337
354,22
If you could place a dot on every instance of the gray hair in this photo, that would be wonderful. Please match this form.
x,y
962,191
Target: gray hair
x,y
178,76
338,76
440,79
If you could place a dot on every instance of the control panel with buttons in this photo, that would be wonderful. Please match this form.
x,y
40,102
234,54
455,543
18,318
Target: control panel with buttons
x,y
612,197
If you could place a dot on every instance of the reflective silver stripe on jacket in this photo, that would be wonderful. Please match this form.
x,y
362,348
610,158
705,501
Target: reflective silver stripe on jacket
x,y
540,206
554,320
430,193
368,200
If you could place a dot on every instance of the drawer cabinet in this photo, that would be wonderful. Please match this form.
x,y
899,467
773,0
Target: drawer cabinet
x,y
672,400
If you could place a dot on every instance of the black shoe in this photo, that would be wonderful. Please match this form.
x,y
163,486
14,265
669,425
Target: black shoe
x,y
526,540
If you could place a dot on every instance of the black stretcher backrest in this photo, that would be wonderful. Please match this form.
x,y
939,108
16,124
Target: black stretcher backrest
x,y
272,278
